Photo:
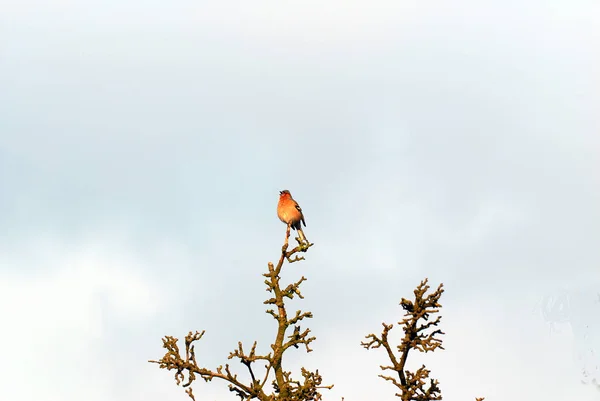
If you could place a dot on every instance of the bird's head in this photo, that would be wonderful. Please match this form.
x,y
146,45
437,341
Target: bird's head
x,y
285,193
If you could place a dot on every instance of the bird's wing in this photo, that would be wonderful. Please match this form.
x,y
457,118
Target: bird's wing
x,y
298,208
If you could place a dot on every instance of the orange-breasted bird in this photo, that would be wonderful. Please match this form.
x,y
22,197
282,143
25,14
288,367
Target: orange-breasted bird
x,y
290,213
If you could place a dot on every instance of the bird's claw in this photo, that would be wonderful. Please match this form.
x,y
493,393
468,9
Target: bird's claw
x,y
303,245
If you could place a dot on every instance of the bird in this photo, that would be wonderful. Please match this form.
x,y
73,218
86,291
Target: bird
x,y
290,213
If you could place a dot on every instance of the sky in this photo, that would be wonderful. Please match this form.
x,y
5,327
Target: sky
x,y
143,145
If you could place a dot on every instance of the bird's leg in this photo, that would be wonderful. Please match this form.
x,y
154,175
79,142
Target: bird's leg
x,y
302,240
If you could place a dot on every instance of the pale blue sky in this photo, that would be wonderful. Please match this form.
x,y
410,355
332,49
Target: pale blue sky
x,y
143,145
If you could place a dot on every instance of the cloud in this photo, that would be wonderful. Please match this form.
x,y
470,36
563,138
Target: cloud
x,y
144,144
59,323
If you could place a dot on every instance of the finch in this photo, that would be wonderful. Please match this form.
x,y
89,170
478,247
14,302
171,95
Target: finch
x,y
290,213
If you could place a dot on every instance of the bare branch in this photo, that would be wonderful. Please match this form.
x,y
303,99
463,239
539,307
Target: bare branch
x,y
413,386
186,368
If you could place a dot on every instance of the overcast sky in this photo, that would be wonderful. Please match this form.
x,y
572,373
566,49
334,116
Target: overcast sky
x,y
143,145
